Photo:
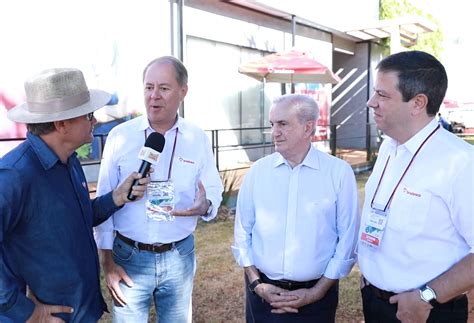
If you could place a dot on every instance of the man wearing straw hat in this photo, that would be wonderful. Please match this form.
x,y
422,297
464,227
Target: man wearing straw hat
x,y
46,239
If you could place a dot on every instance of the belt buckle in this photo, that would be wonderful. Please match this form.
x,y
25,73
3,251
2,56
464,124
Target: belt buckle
x,y
157,245
287,284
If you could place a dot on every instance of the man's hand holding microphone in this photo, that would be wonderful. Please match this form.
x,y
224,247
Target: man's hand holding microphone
x,y
134,186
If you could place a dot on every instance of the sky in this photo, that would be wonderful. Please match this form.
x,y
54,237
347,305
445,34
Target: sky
x,y
455,17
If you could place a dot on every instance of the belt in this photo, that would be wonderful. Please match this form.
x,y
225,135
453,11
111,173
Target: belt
x,y
385,295
379,293
288,284
155,247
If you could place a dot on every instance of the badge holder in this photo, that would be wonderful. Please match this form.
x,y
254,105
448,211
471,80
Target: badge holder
x,y
160,200
374,227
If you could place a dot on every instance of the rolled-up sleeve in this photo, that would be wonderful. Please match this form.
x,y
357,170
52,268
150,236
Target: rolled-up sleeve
x,y
347,223
244,222
211,179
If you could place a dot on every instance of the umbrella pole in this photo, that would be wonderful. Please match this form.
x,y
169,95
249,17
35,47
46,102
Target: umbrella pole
x,y
292,85
262,104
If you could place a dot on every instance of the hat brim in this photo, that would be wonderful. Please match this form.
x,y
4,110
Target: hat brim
x,y
21,113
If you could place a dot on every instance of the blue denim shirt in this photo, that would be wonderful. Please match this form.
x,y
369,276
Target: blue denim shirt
x,y
46,238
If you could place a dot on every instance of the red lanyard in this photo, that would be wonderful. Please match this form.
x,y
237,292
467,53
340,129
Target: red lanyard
x,y
403,175
172,153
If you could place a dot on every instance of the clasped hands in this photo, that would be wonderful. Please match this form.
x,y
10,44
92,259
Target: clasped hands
x,y
285,301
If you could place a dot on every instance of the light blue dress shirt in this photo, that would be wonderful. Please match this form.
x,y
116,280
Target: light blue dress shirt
x,y
298,223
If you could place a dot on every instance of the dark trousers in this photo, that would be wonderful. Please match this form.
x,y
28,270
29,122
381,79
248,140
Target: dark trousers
x,y
322,311
377,310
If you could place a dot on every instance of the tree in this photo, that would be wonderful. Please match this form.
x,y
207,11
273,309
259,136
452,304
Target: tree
x,y
84,151
428,42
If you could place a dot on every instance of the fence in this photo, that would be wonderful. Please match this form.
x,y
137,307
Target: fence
x,y
262,145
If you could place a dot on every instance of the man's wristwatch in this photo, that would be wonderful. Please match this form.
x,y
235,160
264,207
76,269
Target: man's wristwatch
x,y
209,209
254,284
428,295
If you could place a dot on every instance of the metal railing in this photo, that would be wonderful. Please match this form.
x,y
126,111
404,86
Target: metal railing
x,y
218,148
266,144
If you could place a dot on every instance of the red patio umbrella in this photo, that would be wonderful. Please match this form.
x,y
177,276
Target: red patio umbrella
x,y
289,67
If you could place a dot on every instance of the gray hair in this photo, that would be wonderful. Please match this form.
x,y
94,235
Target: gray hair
x,y
306,107
181,72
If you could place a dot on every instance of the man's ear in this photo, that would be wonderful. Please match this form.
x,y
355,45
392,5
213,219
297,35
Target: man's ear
x,y
183,92
420,103
309,126
60,126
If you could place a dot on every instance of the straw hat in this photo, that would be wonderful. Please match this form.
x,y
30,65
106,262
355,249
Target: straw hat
x,y
57,94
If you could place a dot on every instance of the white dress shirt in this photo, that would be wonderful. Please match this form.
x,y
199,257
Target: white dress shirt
x,y
193,161
430,221
298,224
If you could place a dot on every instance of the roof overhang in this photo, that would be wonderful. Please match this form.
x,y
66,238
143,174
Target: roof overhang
x,y
407,29
402,31
271,11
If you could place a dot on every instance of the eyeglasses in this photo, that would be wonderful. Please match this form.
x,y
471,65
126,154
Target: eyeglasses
x,y
89,116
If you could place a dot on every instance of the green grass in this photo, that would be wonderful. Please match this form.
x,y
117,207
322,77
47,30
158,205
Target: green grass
x,y
469,139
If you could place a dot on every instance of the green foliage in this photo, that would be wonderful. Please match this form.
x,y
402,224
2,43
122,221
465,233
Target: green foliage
x,y
84,151
428,42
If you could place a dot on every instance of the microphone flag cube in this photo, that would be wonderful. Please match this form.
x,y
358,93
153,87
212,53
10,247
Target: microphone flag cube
x,y
149,155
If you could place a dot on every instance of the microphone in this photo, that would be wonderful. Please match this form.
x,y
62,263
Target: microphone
x,y
149,154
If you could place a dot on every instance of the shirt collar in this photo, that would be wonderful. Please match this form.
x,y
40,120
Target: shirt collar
x,y
144,125
311,160
45,155
415,142
178,124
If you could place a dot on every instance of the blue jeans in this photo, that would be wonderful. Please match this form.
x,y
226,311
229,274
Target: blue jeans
x,y
166,278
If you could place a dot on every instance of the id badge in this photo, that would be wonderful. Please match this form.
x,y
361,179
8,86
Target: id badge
x,y
160,200
377,219
374,228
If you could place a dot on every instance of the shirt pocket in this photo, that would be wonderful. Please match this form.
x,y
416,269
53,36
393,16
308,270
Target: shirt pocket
x,y
320,215
185,172
127,164
409,211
